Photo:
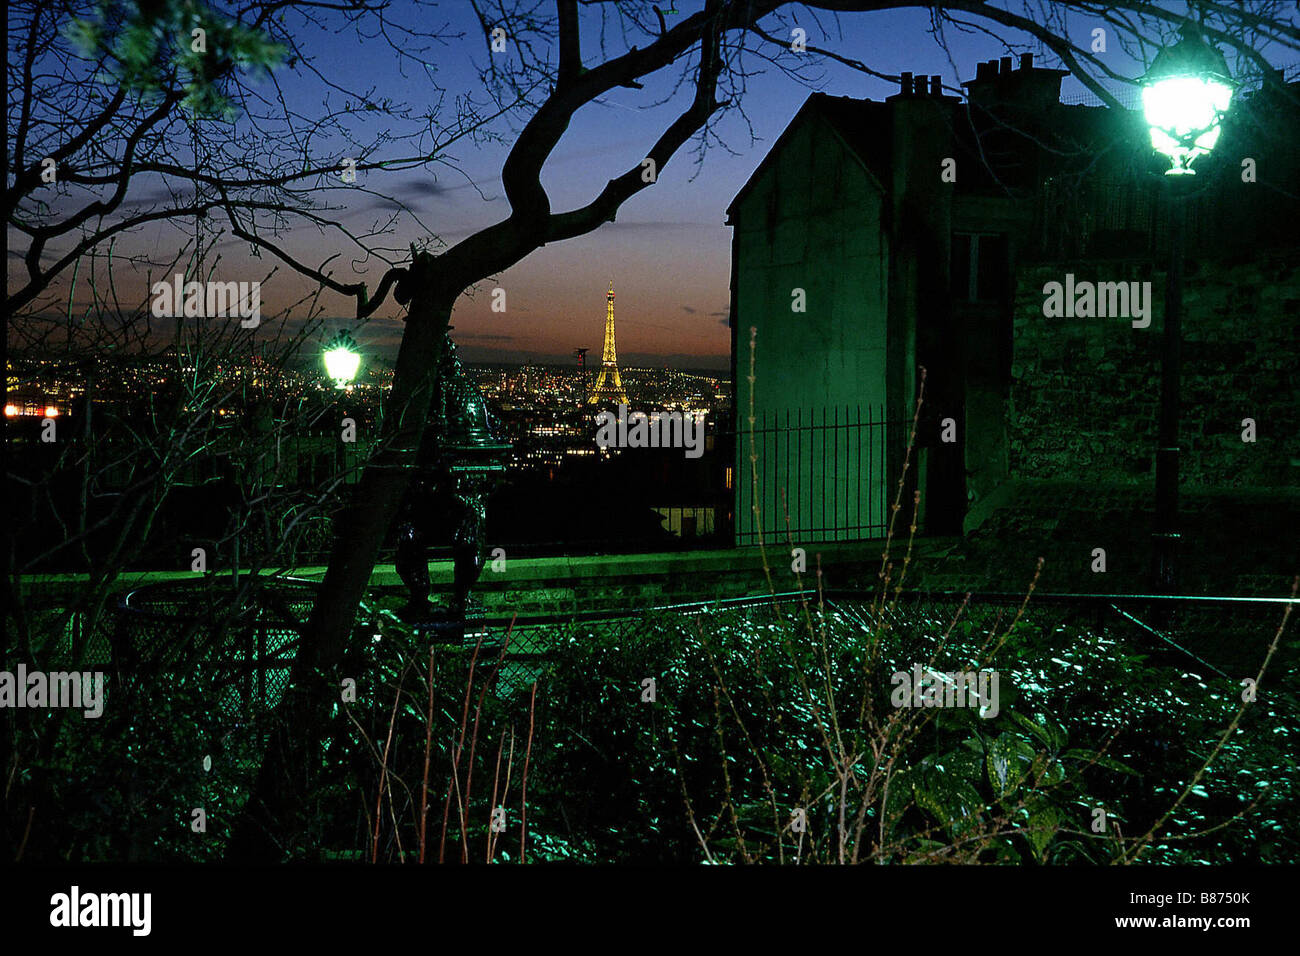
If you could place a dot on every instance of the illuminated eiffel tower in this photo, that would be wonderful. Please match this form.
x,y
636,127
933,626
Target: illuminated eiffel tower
x,y
609,385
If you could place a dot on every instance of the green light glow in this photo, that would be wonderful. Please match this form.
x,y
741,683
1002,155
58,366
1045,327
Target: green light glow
x,y
1184,114
342,361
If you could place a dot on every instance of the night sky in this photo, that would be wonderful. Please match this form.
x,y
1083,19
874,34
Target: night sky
x,y
668,254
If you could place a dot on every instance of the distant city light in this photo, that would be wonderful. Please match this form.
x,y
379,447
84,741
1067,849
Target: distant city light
x,y
540,408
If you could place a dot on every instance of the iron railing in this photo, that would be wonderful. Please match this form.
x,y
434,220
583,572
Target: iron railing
x,y
158,632
253,657
820,472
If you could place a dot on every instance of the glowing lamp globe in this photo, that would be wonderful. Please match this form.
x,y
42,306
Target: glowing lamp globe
x,y
342,360
1185,95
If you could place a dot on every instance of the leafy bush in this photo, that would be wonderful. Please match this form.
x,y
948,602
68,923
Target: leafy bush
x,y
758,713
123,787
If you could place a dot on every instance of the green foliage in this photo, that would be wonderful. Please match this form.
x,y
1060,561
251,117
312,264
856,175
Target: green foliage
x,y
476,728
1166,722
755,714
121,788
148,47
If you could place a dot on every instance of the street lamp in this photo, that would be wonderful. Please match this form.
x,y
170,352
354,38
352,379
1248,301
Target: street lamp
x,y
342,360
1185,95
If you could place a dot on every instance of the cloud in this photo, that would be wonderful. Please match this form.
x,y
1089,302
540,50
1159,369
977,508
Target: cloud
x,y
475,354
482,337
675,360
386,203
179,195
659,226
415,191
432,187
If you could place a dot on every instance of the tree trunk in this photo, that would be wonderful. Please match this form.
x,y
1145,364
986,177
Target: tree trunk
x,y
272,825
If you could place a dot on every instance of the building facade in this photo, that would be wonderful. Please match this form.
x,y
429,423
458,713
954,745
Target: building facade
x,y
880,238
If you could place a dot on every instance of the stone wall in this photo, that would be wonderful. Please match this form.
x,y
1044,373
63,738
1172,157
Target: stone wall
x,y
1085,392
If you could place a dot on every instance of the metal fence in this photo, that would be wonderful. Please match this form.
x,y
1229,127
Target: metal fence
x,y
820,472
240,639
1227,636
164,636
157,630
158,642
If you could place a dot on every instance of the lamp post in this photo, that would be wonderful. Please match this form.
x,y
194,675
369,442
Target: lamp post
x,y
342,360
1185,95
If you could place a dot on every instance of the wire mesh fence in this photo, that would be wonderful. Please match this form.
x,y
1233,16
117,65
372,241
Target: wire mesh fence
x,y
1213,634
242,640
238,636
234,649
247,665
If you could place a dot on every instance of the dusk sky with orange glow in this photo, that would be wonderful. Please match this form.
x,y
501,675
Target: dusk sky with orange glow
x,y
668,254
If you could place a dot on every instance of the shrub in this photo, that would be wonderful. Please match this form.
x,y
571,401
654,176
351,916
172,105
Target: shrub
x,y
757,714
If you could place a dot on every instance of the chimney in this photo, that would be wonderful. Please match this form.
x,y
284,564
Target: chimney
x,y
936,86
905,84
1030,88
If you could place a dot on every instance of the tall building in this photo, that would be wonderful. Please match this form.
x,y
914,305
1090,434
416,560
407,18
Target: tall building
x,y
609,385
877,238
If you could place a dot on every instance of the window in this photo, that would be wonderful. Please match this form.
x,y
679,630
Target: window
x,y
979,268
